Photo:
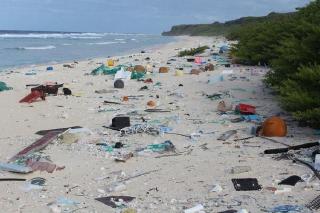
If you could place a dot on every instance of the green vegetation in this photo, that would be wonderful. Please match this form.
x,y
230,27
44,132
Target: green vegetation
x,y
217,29
193,51
290,45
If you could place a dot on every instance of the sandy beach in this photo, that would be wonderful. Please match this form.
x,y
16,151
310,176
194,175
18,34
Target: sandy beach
x,y
160,182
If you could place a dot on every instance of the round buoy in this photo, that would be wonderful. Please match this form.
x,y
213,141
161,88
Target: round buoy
x,y
119,84
151,103
274,127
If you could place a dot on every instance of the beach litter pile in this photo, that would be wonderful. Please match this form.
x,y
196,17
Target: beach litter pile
x,y
152,133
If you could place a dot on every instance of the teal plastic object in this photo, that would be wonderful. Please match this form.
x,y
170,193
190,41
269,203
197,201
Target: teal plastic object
x,y
161,147
104,70
4,87
137,75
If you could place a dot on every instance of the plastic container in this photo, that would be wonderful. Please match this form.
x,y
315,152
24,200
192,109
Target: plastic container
x,y
246,109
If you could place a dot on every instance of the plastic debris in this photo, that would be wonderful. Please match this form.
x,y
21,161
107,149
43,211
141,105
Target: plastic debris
x,y
122,74
245,109
104,70
12,167
215,79
287,209
38,181
225,136
274,127
115,201
166,146
119,84
4,87
246,184
216,188
317,162
38,145
252,118
195,209
62,204
240,169
282,191
314,204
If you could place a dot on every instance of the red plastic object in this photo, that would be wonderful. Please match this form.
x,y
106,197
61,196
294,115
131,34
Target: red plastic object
x,y
198,60
246,109
38,145
33,96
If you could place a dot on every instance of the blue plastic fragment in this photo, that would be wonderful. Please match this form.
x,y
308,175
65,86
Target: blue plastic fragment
x,y
12,167
66,202
287,209
255,118
49,68
165,129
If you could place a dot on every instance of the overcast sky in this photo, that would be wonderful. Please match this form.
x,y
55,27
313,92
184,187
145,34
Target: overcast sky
x,y
137,16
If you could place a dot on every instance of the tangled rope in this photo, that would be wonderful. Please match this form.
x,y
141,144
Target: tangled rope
x,y
140,128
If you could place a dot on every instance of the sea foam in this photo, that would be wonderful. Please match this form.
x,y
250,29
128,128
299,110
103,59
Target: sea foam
x,y
49,47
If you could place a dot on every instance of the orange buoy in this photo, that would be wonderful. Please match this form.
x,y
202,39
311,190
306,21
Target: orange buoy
x,y
163,70
125,98
274,127
151,103
139,68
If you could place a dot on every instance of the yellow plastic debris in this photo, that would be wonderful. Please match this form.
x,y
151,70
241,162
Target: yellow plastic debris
x,y
179,73
110,63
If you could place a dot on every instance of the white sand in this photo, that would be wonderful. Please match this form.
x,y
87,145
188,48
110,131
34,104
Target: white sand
x,y
181,181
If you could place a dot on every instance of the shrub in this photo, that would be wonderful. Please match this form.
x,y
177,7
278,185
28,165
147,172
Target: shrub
x,y
193,51
291,46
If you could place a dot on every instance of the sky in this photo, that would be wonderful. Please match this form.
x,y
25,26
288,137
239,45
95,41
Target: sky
x,y
129,16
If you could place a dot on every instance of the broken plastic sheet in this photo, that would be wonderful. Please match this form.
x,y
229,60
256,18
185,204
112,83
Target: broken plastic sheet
x,y
37,146
246,184
137,75
122,74
215,79
12,167
227,72
104,70
289,209
115,201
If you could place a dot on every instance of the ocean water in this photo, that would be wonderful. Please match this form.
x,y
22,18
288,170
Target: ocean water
x,y
26,48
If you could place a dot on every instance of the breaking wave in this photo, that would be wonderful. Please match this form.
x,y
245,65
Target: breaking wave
x,y
62,35
36,48
53,35
107,43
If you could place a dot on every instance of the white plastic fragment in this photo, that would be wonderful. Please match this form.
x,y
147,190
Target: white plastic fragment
x,y
195,209
282,191
307,178
317,162
216,188
243,211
